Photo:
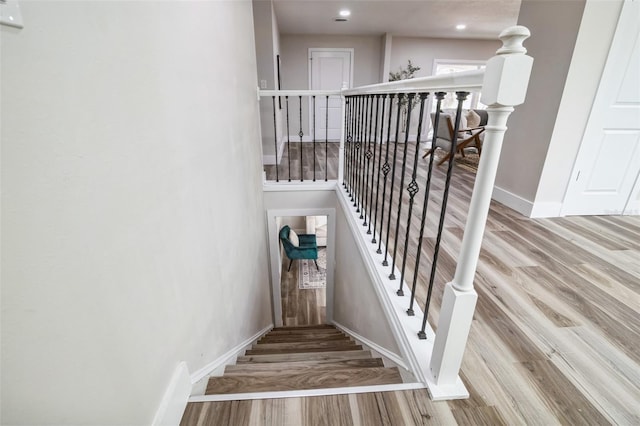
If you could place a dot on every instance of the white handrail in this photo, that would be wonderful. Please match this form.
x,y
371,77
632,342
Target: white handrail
x,y
467,81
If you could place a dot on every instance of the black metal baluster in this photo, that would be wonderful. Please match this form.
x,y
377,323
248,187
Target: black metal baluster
x,y
461,97
425,204
373,158
347,137
354,137
351,142
300,133
413,187
367,200
314,138
375,214
361,115
393,174
357,159
275,134
326,140
386,168
392,276
286,98
363,129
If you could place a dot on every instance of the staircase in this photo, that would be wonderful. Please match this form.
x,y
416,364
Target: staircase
x,y
302,358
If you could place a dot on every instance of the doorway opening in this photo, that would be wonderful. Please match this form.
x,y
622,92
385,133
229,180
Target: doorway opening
x,y
303,282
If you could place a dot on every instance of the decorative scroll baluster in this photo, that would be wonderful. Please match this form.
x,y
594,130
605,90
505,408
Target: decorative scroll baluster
x,y
393,174
461,97
413,187
300,133
375,214
363,132
368,154
373,164
314,138
439,96
392,276
275,134
326,139
286,98
354,137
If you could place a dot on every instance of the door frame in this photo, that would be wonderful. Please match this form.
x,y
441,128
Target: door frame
x,y
275,261
351,52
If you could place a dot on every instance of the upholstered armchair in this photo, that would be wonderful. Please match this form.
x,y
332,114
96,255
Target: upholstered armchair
x,y
466,137
303,246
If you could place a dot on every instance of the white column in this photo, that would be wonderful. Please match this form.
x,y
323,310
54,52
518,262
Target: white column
x,y
505,85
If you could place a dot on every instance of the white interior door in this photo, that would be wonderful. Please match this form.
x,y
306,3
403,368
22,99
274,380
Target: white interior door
x,y
330,69
608,164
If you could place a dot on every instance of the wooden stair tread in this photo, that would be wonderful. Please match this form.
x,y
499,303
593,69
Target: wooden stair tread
x,y
299,366
305,344
302,338
305,327
307,356
305,380
310,332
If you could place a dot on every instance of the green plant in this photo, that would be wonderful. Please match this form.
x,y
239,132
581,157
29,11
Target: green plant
x,y
404,74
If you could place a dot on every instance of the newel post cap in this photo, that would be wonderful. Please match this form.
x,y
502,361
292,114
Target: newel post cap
x,y
507,74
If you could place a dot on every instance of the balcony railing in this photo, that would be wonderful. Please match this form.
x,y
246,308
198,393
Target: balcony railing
x,y
390,192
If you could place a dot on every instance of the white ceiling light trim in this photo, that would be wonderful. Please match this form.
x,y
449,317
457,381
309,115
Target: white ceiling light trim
x,y
345,12
460,27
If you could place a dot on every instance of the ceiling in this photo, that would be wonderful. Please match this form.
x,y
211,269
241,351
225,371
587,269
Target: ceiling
x,y
418,18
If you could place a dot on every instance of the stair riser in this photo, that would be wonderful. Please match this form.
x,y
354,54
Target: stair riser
x,y
309,356
301,366
302,350
303,338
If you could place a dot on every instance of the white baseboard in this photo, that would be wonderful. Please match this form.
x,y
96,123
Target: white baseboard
x,y
227,356
396,359
513,201
546,210
175,398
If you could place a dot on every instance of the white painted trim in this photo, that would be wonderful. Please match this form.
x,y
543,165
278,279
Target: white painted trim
x,y
396,359
175,398
307,185
225,358
274,248
552,209
416,353
513,201
306,393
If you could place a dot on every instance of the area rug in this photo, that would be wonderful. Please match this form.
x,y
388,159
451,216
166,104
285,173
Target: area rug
x,y
469,162
308,276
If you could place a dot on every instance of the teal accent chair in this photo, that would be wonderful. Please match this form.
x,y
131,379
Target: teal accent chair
x,y
307,249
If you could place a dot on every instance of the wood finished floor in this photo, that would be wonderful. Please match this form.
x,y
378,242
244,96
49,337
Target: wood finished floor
x,y
300,307
555,337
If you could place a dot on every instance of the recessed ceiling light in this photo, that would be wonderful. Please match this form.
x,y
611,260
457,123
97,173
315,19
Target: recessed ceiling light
x,y
461,27
345,12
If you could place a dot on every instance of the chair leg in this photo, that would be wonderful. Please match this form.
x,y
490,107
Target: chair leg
x,y
290,262
317,267
427,152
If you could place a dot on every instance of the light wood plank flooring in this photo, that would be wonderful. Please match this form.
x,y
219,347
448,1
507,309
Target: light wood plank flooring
x,y
300,306
556,333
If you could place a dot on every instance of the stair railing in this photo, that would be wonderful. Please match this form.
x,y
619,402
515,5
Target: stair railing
x,y
378,154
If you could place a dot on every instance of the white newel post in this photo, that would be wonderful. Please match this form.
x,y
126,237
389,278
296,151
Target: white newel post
x,y
505,85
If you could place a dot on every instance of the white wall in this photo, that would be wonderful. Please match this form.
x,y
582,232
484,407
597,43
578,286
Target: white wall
x,y
554,27
424,51
267,42
356,304
589,56
126,211
294,50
